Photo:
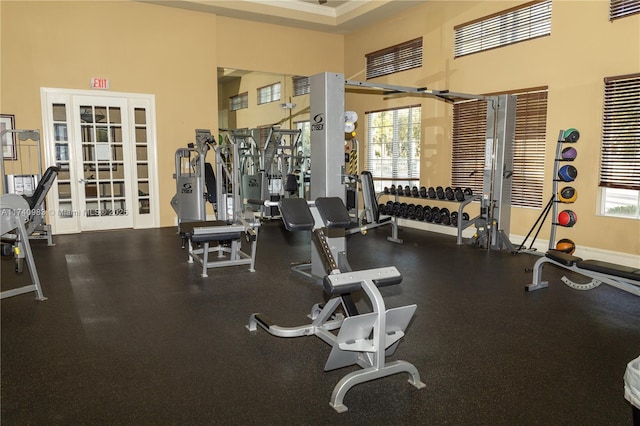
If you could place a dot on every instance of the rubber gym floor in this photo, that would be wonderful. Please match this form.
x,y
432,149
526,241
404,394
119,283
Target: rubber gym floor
x,y
131,334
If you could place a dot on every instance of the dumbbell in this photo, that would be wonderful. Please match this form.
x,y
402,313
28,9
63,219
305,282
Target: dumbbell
x,y
423,192
468,192
392,190
386,190
426,211
382,209
396,209
414,191
419,212
440,193
449,194
435,214
445,216
431,192
411,211
454,218
458,194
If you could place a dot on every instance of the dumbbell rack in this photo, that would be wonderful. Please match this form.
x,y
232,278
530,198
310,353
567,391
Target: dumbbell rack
x,y
462,223
556,180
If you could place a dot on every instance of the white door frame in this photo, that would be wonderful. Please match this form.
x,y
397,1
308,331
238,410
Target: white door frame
x,y
73,223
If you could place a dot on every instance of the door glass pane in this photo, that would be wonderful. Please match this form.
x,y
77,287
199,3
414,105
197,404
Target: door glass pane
x,y
103,160
142,156
140,116
63,181
114,115
59,112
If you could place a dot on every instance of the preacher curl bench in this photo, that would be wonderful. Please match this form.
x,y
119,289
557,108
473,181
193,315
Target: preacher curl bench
x,y
623,277
363,339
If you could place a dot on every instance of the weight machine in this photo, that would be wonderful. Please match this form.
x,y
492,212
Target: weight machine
x,y
193,175
363,339
327,123
21,177
22,207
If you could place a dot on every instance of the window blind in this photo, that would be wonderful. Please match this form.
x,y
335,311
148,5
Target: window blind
x,y
401,57
468,146
514,25
239,101
620,151
301,85
622,8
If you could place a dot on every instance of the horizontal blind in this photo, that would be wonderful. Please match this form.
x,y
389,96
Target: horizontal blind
x,y
401,57
511,26
468,144
394,143
622,8
239,101
620,153
301,85
529,146
469,140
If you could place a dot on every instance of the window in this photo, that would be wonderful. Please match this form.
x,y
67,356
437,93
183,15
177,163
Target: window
x,y
301,86
510,26
401,57
239,101
269,93
620,151
622,8
394,145
468,146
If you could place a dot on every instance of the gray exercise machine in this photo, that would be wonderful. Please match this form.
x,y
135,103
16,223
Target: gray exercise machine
x,y
493,223
363,339
623,277
23,174
212,243
195,180
18,215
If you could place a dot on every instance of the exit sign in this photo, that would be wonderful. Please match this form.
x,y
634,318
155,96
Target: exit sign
x,y
99,83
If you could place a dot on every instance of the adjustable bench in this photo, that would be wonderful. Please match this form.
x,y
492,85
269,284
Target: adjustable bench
x,y
201,234
363,339
623,277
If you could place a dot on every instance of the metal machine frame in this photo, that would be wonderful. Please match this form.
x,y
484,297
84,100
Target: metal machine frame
x,y
27,141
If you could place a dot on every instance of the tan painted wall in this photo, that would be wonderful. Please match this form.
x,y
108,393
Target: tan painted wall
x,y
140,48
583,48
267,114
143,48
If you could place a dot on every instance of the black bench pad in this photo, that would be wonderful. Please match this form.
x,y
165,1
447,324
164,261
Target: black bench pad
x,y
563,258
333,212
213,230
296,214
621,271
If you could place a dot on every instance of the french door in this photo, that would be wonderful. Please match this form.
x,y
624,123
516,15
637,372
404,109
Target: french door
x,y
104,147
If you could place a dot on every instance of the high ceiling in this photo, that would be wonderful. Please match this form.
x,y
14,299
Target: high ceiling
x,y
336,16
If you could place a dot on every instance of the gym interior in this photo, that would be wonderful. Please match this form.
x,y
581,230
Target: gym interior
x,y
126,315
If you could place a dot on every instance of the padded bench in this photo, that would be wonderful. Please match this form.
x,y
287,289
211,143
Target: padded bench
x,y
206,232
623,277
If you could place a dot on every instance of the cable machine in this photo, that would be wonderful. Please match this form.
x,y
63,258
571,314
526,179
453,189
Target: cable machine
x,y
492,226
